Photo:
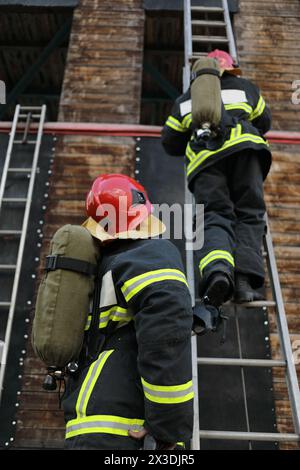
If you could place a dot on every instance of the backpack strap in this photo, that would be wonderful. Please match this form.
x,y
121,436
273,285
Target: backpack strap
x,y
206,71
54,262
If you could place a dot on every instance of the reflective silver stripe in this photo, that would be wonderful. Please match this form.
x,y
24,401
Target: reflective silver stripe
x,y
115,313
168,394
87,386
107,424
104,424
175,124
155,277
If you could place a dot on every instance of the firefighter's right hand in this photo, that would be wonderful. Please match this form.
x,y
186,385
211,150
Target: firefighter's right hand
x,y
159,444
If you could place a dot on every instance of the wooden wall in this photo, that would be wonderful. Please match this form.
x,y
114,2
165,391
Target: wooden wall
x,y
269,54
102,84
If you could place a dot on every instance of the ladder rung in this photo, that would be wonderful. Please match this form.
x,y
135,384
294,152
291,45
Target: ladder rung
x,y
10,232
19,170
7,267
208,23
14,199
26,142
4,304
33,116
207,9
224,361
249,436
198,55
209,39
30,108
255,304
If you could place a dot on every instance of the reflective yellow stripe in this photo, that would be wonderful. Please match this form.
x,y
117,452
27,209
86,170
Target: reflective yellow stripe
x,y
168,394
189,153
213,256
204,154
131,287
89,383
238,130
88,323
259,109
115,313
107,424
175,124
243,106
187,120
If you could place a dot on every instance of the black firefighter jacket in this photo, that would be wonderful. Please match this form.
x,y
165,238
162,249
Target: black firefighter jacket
x,y
141,375
245,119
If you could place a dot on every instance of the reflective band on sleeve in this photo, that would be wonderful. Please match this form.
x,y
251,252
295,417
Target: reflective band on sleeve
x,y
239,106
198,158
216,255
115,313
107,424
189,153
89,383
258,110
175,124
136,284
168,394
187,120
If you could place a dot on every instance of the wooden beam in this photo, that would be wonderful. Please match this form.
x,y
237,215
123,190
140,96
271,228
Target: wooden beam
x,y
178,4
40,3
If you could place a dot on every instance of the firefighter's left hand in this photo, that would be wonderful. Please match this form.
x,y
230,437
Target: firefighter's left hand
x,y
143,432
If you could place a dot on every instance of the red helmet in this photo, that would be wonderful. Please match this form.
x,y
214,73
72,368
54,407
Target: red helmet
x,y
225,60
118,202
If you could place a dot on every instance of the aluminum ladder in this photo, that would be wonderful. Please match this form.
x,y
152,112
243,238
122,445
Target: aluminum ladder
x,y
197,45
24,116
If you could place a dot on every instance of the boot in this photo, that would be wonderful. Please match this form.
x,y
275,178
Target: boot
x,y
243,290
218,290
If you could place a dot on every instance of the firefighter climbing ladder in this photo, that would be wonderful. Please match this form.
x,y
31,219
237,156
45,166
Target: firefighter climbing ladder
x,y
197,45
23,115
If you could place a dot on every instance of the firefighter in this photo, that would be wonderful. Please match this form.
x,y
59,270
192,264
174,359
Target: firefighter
x,y
135,374
226,175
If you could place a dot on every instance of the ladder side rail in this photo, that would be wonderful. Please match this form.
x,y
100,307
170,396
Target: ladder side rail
x,y
284,337
188,221
21,250
250,436
188,224
229,30
8,153
188,46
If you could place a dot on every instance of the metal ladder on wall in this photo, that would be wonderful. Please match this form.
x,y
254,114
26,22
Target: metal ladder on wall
x,y
197,45
23,114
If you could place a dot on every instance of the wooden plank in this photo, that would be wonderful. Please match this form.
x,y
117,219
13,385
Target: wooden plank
x,y
30,438
51,419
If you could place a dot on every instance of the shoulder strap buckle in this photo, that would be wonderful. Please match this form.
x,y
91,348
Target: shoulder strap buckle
x,y
51,262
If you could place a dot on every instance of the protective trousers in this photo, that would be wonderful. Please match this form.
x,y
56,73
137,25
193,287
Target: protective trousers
x,y
231,191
